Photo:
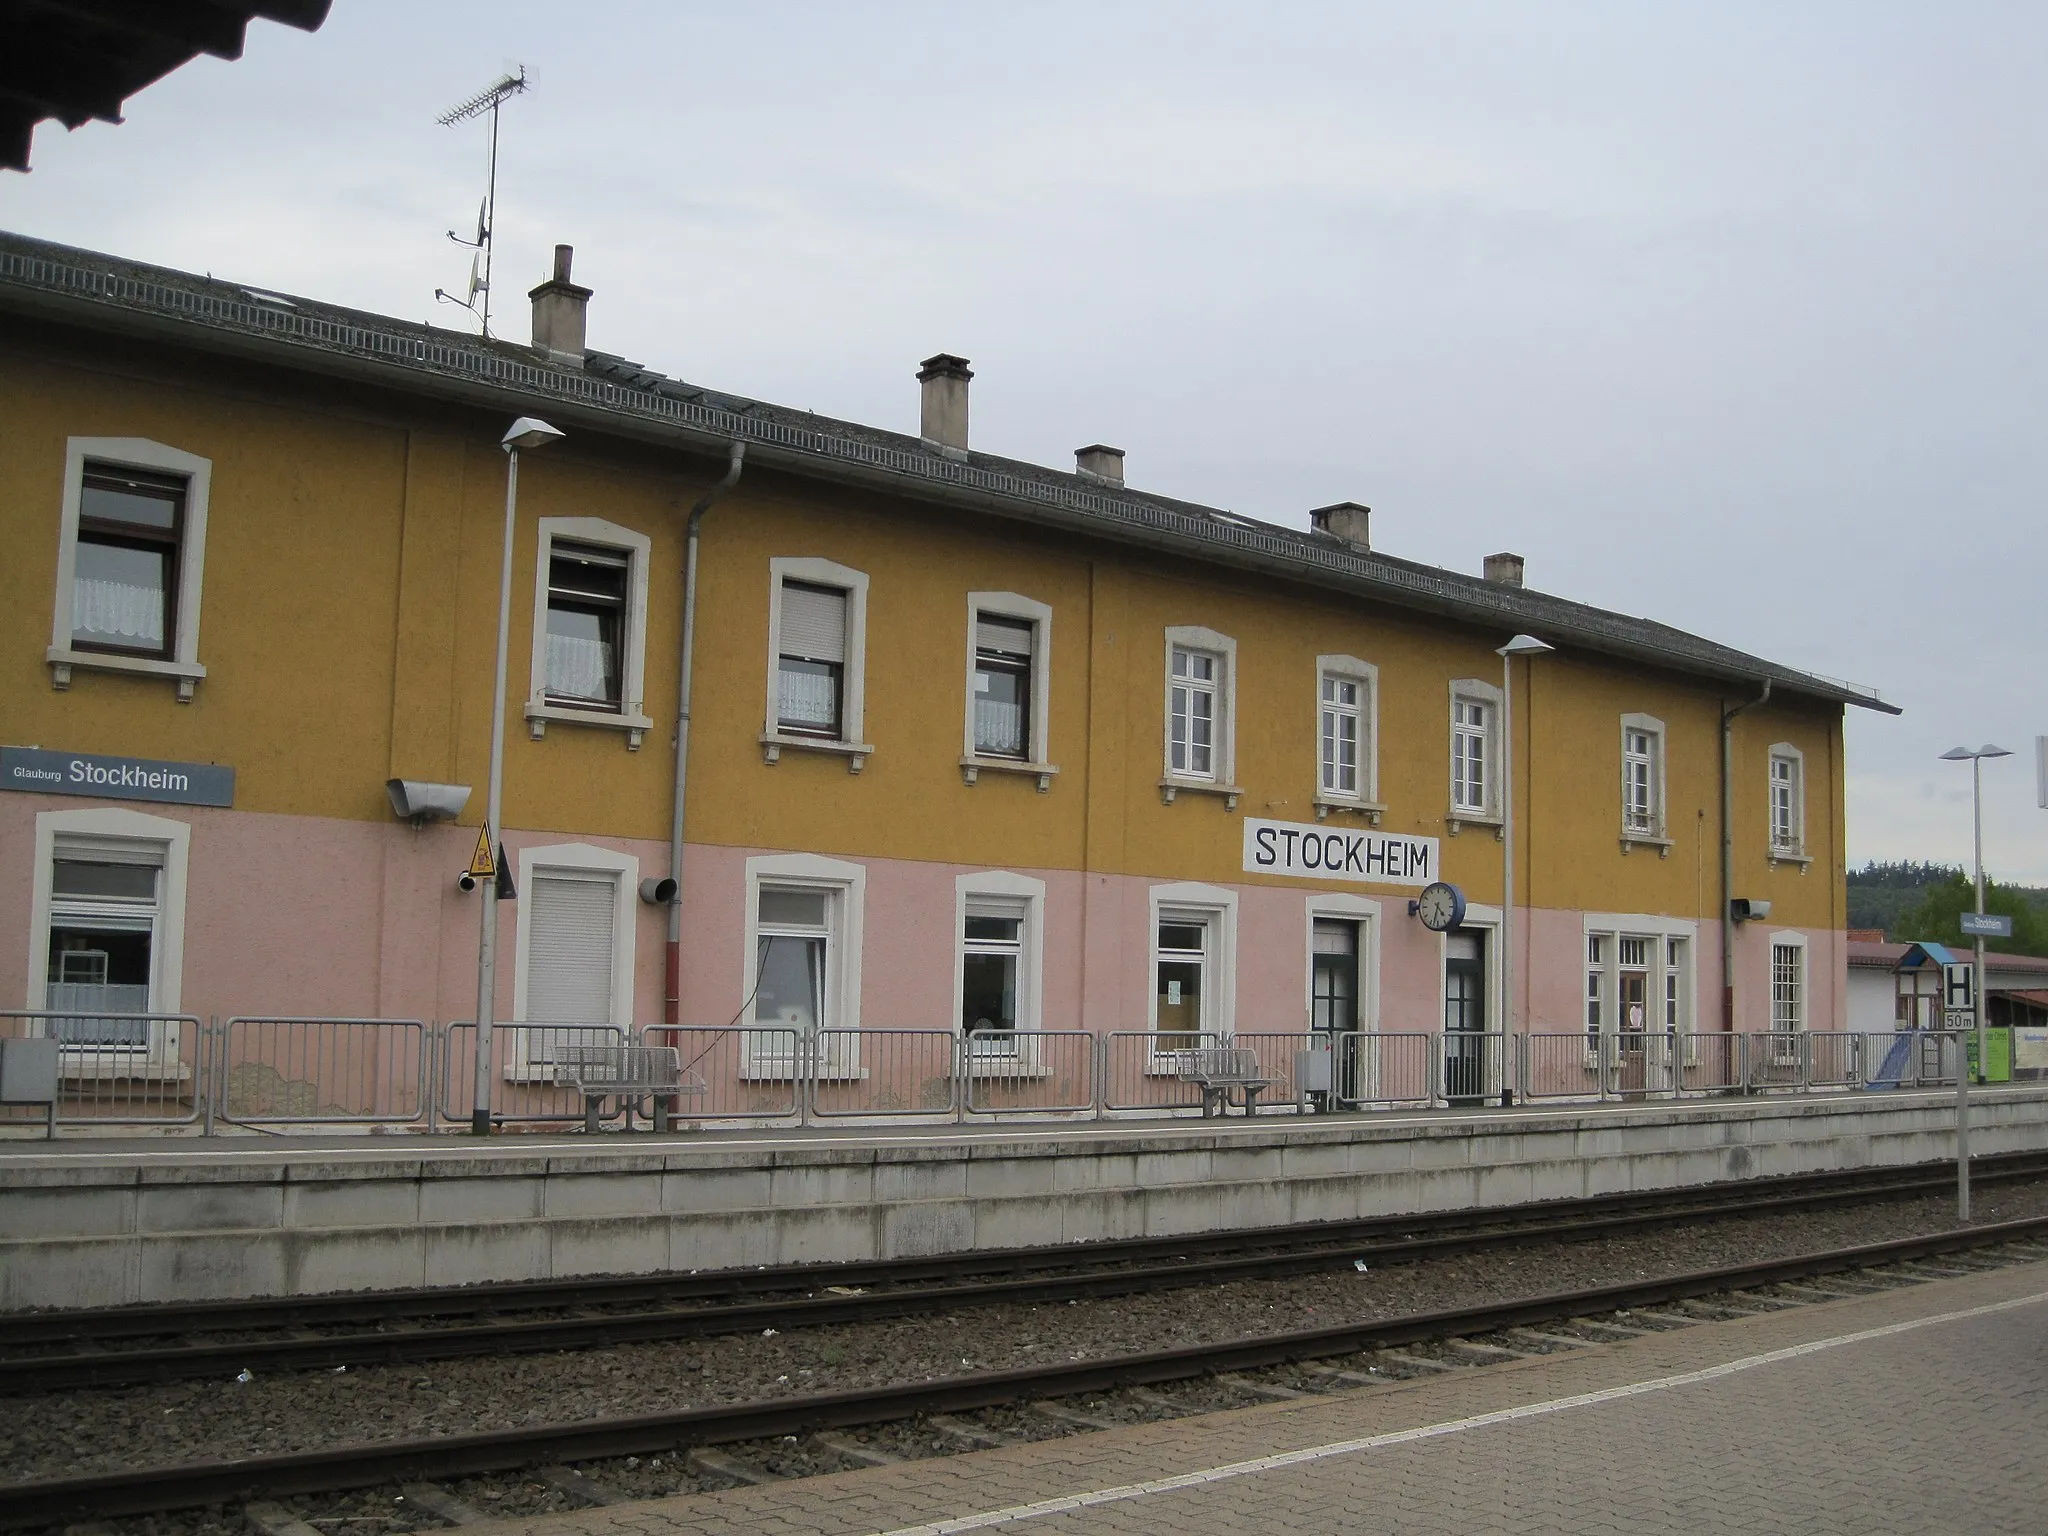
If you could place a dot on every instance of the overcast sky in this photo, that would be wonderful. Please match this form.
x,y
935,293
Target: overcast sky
x,y
1729,314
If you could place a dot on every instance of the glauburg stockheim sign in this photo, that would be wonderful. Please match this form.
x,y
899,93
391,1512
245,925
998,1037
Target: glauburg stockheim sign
x,y
115,778
1337,853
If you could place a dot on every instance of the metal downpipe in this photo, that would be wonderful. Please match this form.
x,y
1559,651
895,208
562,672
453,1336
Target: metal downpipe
x,y
672,1002
1728,852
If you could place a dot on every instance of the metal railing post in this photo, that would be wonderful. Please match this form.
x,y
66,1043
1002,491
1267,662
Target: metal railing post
x,y
1099,1045
202,1076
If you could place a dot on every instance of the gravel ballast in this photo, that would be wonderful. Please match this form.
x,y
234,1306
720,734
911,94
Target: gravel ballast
x,y
98,1431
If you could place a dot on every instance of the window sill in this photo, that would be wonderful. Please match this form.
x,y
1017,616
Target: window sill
x,y
1370,810
774,744
1787,856
1663,845
1456,821
635,725
62,659
1170,787
972,767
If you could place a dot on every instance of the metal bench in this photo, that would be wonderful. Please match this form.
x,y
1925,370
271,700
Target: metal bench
x,y
1218,1070
627,1073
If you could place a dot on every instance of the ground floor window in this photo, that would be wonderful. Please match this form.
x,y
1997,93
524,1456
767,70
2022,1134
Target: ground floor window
x,y
991,965
1180,967
1788,987
802,977
107,911
574,971
1639,981
1334,975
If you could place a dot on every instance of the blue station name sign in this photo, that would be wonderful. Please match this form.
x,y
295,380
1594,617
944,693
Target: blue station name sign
x,y
41,772
1337,853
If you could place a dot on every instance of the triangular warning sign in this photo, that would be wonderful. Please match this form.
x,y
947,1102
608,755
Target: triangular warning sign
x,y
481,864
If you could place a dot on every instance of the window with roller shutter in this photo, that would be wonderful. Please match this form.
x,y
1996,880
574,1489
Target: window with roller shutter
x,y
811,673
570,960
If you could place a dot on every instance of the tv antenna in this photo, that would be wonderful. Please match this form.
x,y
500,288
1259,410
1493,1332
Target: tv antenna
x,y
478,300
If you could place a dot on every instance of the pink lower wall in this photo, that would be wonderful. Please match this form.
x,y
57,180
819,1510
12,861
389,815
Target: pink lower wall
x,y
297,915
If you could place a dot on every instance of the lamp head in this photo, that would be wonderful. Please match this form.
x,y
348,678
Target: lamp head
x,y
529,432
1957,755
1988,750
1524,645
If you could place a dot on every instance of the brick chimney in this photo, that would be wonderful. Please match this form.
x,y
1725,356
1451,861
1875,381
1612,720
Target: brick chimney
x,y
1099,461
942,422
1504,570
558,314
1345,520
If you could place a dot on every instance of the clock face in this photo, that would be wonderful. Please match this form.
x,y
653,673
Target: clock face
x,y
1441,906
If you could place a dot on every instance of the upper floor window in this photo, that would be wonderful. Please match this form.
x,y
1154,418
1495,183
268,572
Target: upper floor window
x,y
1196,675
1200,709
811,676
1009,642
1788,801
124,584
1475,750
589,626
817,650
131,554
1346,714
1642,778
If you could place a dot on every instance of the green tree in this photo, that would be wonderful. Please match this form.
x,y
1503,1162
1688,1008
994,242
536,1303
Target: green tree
x,y
1938,916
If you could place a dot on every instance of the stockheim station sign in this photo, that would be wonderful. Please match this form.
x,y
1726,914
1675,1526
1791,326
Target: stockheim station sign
x,y
40,772
1335,853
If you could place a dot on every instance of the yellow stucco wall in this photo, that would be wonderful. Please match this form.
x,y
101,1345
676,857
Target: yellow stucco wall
x,y
349,620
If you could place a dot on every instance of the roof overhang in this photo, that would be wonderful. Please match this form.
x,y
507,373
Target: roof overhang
x,y
77,60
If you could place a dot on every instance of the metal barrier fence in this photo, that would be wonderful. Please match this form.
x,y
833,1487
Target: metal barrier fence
x,y
324,1071
526,1086
175,1070
861,1074
1385,1071
119,1068
747,1074
1037,1072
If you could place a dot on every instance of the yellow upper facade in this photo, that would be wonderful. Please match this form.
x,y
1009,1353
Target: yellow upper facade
x,y
347,625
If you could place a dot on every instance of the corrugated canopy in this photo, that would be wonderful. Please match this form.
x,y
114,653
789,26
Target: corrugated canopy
x,y
76,60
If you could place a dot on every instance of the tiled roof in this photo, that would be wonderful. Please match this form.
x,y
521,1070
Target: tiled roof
x,y
614,394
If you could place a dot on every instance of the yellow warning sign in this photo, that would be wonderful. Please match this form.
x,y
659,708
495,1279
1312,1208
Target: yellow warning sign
x,y
481,864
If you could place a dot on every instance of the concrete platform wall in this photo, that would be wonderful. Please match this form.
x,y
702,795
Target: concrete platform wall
x,y
147,1223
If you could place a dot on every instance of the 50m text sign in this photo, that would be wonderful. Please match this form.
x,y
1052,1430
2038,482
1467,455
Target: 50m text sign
x,y
1336,853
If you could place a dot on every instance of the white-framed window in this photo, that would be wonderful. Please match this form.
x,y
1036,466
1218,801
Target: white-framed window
x,y
572,980
1194,965
589,627
1009,669
1201,713
131,561
998,965
107,936
1642,780
1788,984
817,660
1347,734
1788,801
802,963
1639,978
1475,751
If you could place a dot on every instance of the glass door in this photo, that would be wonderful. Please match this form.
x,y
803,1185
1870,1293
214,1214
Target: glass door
x,y
1464,1017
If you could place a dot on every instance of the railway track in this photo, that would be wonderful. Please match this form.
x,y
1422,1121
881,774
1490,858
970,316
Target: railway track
x,y
1383,1349
130,1346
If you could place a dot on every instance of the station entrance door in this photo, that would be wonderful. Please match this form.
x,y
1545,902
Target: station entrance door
x,y
1465,1016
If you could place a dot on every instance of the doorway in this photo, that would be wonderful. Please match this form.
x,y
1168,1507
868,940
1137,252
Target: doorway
x,y
1465,1017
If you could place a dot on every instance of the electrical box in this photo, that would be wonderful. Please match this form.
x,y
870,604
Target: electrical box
x,y
28,1071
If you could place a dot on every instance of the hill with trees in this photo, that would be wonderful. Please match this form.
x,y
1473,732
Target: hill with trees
x,y
1912,900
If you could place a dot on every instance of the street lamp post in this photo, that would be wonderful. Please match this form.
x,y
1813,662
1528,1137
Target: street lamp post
x,y
527,432
1976,761
1520,645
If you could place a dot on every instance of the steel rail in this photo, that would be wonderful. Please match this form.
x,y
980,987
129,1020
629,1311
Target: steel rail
x,y
163,1319
97,1368
57,1501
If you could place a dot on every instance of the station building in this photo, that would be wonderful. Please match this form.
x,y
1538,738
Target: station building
x,y
973,741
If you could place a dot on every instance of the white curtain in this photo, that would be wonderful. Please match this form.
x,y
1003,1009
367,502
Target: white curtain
x,y
101,607
998,726
579,667
807,699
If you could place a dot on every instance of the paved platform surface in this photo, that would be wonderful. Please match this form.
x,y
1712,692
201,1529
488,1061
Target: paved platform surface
x,y
74,1147
1916,1411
